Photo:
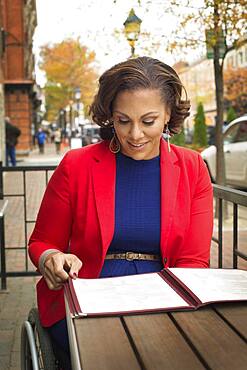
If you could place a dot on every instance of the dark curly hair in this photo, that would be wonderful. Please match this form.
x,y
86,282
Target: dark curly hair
x,y
135,74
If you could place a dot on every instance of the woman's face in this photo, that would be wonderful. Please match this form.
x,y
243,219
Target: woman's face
x,y
139,118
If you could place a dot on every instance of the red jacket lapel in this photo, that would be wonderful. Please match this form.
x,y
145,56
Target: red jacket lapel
x,y
170,174
104,176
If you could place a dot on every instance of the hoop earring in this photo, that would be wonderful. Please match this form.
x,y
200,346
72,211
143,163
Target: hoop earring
x,y
168,138
114,145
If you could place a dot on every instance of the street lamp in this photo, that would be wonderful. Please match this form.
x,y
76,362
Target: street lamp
x,y
77,99
132,28
77,93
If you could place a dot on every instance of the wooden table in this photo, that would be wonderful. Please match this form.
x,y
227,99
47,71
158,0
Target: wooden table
x,y
213,337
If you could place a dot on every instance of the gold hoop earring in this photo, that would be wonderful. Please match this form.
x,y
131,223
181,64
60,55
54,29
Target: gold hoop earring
x,y
114,145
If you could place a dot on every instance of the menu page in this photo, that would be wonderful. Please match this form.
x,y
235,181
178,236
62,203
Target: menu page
x,y
211,285
128,293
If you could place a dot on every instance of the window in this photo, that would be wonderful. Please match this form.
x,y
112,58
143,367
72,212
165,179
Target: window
x,y
237,133
242,132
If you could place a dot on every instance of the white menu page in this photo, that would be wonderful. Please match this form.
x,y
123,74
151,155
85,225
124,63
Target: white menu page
x,y
127,293
211,285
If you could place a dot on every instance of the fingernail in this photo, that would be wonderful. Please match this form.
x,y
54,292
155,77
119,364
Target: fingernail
x,y
75,274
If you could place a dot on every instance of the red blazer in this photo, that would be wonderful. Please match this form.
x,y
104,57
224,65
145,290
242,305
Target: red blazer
x,y
77,214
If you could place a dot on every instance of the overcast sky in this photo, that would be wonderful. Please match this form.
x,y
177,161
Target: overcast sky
x,y
96,22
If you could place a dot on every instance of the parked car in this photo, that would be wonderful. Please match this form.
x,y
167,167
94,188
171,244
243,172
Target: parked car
x,y
235,149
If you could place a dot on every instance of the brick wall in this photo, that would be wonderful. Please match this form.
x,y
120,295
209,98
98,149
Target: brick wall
x,y
19,22
13,23
18,108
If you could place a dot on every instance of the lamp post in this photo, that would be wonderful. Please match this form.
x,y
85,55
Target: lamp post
x,y
132,28
77,99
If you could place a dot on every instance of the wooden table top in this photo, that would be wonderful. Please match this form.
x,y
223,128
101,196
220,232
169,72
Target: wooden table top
x,y
213,337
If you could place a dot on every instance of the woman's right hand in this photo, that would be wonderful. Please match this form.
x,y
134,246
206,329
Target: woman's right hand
x,y
58,267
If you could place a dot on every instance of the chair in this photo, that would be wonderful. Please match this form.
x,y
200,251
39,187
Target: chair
x,y
36,347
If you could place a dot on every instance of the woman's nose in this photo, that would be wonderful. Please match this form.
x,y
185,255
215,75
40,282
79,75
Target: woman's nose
x,y
136,132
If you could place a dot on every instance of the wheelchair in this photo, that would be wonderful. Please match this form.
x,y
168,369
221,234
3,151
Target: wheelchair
x,y
36,348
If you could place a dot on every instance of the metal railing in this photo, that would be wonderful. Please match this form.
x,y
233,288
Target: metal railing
x,y
3,206
237,198
221,193
3,195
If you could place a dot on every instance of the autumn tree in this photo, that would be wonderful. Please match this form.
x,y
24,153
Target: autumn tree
x,y
68,65
224,23
235,82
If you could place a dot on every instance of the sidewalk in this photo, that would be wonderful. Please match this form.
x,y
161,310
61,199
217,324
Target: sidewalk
x,y
48,158
20,297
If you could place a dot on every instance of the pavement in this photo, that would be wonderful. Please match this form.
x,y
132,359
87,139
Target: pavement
x,y
20,297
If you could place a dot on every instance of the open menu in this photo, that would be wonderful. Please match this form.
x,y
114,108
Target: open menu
x,y
168,290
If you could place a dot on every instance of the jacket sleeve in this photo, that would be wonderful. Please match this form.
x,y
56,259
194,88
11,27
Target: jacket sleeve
x,y
195,251
53,225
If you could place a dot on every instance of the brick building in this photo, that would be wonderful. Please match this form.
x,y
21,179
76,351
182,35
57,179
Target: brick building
x,y
19,20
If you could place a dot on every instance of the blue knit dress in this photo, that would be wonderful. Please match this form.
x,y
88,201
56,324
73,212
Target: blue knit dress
x,y
137,226
137,216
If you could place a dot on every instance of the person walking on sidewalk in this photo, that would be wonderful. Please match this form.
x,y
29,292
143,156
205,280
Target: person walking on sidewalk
x,y
41,138
11,133
132,203
57,140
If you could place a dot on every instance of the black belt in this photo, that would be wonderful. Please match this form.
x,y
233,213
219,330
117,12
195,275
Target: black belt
x,y
130,256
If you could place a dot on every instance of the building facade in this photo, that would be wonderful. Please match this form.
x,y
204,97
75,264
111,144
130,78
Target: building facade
x,y
19,19
237,58
198,79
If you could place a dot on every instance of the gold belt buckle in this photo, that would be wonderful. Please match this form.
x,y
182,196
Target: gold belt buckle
x,y
129,256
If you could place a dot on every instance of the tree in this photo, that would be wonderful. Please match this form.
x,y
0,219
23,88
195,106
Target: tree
x,y
235,81
224,21
200,128
178,139
231,115
68,65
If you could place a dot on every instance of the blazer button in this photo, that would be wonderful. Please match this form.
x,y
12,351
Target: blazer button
x,y
165,260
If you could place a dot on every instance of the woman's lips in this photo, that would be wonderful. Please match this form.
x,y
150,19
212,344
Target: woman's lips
x,y
136,146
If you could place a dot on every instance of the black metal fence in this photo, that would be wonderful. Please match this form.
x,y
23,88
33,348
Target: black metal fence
x,y
4,194
238,198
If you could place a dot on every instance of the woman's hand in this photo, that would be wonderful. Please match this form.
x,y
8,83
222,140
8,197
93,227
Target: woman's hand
x,y
58,267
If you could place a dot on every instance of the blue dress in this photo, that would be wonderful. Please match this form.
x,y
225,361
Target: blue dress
x,y
137,216
137,228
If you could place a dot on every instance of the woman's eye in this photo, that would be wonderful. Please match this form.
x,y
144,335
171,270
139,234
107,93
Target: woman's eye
x,y
121,120
150,122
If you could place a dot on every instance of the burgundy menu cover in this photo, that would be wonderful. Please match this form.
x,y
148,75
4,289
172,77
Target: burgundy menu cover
x,y
168,290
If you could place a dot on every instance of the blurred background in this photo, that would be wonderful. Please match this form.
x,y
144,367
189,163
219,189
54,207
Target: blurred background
x,y
51,56
52,53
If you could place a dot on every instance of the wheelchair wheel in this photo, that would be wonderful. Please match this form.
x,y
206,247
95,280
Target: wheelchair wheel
x,y
36,348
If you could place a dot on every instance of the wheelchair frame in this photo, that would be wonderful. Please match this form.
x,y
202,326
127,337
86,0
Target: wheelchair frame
x,y
36,347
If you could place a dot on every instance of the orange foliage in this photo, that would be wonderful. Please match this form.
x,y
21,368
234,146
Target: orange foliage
x,y
67,65
235,86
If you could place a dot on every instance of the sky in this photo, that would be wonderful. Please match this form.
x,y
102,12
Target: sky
x,y
99,25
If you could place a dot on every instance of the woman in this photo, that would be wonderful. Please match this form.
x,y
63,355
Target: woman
x,y
128,205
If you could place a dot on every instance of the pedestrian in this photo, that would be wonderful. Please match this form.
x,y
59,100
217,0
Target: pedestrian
x,y
11,134
127,205
57,140
41,138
